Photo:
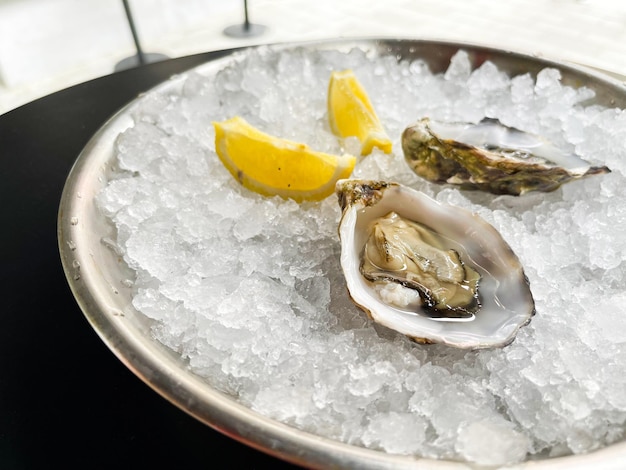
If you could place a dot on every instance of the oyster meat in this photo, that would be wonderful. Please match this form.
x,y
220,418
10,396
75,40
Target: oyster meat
x,y
490,156
434,272
401,256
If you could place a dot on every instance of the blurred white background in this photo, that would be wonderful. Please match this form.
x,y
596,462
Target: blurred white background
x,y
48,45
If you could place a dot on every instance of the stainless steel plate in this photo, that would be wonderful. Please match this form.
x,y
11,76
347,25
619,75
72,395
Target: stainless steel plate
x,y
94,272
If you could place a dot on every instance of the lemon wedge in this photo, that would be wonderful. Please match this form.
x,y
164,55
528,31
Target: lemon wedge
x,y
272,166
351,113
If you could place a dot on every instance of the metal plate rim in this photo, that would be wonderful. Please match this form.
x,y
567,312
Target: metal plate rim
x,y
84,261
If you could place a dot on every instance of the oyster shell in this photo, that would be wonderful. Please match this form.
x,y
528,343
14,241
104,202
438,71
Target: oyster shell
x,y
490,156
463,249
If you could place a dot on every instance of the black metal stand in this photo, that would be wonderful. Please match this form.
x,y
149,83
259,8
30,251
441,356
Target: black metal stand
x,y
246,29
141,57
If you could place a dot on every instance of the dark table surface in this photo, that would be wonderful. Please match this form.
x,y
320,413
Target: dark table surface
x,y
65,400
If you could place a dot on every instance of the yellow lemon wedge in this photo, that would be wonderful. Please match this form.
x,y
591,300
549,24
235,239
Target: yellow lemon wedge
x,y
272,166
351,113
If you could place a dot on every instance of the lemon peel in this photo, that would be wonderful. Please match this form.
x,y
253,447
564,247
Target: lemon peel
x,y
273,166
350,113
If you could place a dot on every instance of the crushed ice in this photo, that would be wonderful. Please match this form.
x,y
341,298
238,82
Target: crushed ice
x,y
249,290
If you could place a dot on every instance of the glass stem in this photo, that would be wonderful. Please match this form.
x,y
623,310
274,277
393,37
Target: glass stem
x,y
131,23
246,21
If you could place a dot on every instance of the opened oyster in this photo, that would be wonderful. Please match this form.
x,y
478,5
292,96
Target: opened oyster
x,y
434,272
490,156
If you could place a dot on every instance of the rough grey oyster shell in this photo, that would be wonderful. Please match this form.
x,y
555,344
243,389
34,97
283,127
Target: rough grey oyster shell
x,y
505,302
490,156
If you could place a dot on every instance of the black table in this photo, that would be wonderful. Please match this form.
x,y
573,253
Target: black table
x,y
65,400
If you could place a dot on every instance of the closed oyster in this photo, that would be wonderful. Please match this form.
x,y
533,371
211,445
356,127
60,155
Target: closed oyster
x,y
490,156
434,272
